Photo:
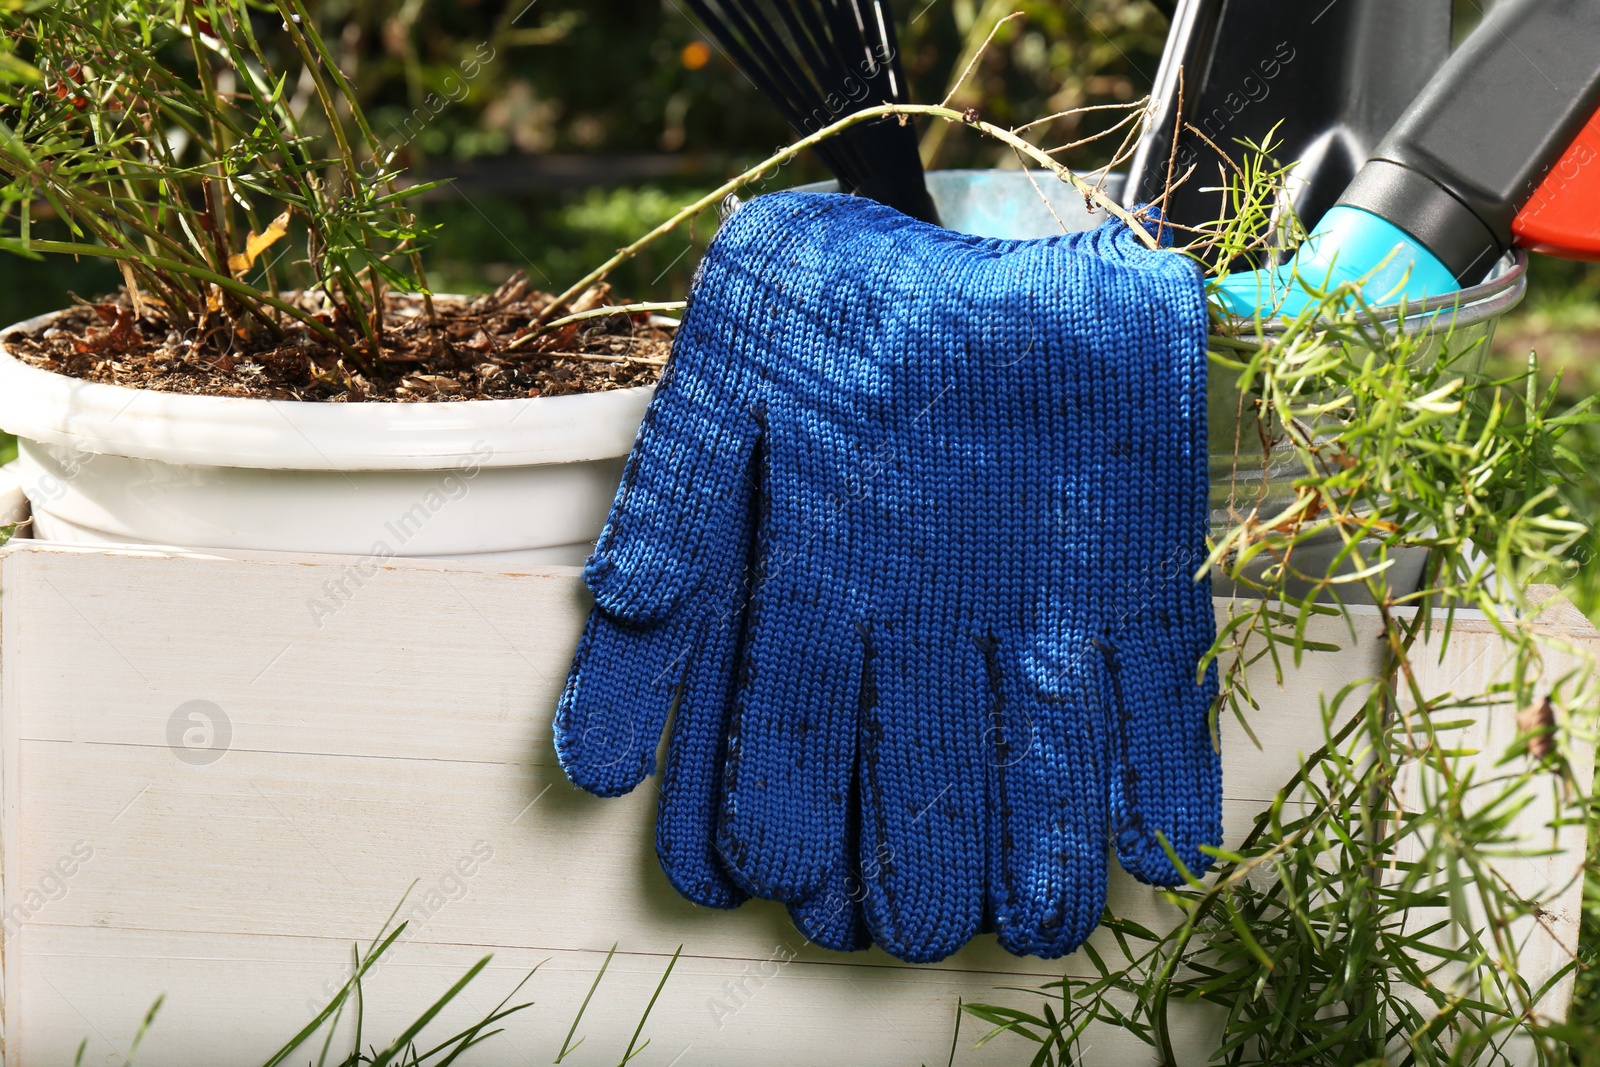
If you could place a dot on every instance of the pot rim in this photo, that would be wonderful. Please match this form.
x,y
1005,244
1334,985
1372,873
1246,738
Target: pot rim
x,y
192,429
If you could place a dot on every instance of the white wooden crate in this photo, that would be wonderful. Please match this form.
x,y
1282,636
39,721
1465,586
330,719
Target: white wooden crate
x,y
404,736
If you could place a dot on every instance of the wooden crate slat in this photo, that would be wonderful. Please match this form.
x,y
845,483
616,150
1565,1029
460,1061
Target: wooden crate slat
x,y
381,743
393,665
1545,862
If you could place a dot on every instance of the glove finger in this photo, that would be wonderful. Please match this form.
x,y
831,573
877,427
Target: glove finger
x,y
1166,776
791,750
924,792
1049,851
625,675
689,464
691,781
682,487
835,918
618,692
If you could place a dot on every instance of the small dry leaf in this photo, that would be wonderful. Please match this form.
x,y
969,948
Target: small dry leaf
x,y
591,298
513,290
427,385
1538,721
1309,504
117,339
257,243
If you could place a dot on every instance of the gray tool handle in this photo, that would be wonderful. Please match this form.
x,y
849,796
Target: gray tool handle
x,y
1460,163
1323,80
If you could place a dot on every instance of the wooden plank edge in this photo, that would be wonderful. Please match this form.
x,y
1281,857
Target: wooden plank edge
x,y
1470,618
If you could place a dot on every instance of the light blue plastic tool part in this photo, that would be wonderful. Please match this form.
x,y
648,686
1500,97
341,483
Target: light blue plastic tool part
x,y
1350,245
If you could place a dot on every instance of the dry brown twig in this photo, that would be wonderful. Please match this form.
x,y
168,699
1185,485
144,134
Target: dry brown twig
x,y
1091,191
601,357
1080,142
1172,157
1136,106
977,57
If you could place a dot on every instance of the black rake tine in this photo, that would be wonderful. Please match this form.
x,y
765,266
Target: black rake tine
x,y
839,153
819,38
848,147
818,61
896,150
850,40
729,25
721,27
891,49
816,47
891,52
800,17
902,180
858,34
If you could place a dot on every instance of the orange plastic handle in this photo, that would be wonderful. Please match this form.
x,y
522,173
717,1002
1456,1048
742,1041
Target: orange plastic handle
x,y
1563,217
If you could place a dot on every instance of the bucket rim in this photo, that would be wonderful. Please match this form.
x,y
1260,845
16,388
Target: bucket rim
x,y
1503,290
1472,305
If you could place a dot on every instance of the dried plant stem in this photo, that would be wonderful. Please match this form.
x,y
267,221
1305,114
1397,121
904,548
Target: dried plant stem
x,y
1138,106
1133,117
598,357
371,325
966,72
1172,157
1007,137
599,313
1238,170
286,126
991,12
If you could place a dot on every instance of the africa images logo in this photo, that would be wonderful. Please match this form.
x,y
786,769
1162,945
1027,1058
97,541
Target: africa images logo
x,y
199,732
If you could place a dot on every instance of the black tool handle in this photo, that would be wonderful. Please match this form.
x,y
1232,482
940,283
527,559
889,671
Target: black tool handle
x,y
1323,79
1456,168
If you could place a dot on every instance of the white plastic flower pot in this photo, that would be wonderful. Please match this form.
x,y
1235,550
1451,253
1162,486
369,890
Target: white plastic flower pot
x,y
526,480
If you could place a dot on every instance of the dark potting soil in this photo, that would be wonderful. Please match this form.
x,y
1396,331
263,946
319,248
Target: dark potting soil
x,y
476,351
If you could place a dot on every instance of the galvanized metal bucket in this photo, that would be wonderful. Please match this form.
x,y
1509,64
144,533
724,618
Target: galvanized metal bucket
x,y
1253,467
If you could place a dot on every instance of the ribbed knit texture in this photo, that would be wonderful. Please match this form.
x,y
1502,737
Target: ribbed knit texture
x,y
973,475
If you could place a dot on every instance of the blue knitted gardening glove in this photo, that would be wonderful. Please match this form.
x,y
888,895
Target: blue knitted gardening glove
x,y
976,590
973,634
